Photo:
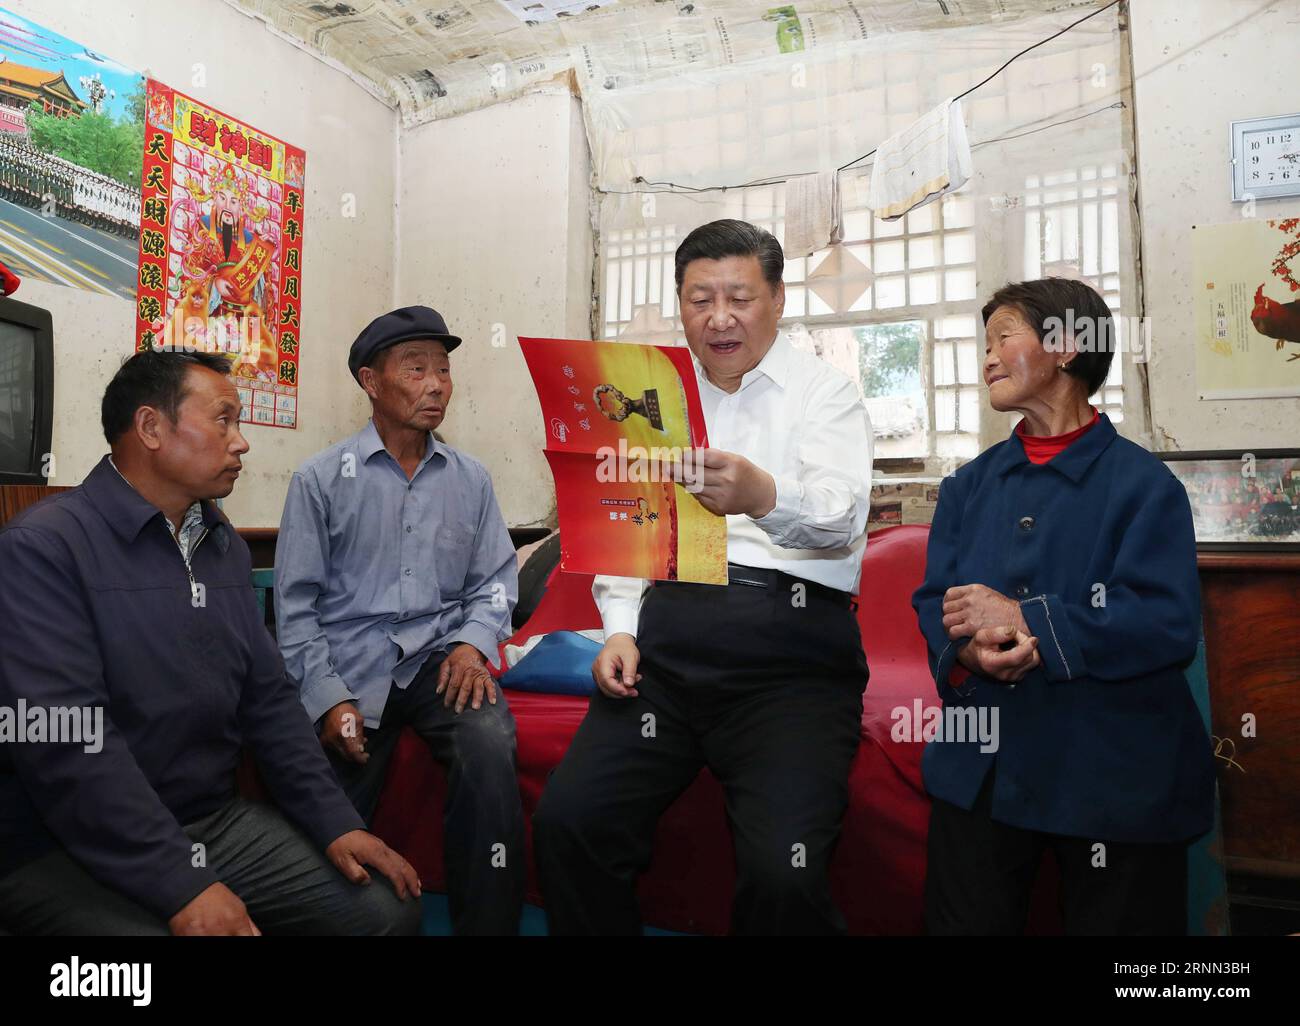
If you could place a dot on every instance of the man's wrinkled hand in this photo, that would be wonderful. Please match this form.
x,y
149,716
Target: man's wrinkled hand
x,y
215,911
343,732
463,678
359,848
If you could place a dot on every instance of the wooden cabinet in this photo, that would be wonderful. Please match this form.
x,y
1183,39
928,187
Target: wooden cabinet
x,y
1251,614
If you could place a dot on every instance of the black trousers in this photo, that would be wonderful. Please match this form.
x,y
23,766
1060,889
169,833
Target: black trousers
x,y
483,820
981,874
760,686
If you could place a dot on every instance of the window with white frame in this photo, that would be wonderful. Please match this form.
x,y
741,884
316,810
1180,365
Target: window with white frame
x,y
1072,229
895,307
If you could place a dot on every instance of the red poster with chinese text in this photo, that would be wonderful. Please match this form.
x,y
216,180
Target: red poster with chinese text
x,y
615,413
221,248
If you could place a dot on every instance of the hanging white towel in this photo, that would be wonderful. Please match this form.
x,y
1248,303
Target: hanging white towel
x,y
812,213
926,160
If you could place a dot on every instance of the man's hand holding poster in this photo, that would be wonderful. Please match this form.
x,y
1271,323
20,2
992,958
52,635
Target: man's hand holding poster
x,y
624,433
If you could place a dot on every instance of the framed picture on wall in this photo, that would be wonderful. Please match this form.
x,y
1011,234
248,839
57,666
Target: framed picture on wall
x,y
1241,499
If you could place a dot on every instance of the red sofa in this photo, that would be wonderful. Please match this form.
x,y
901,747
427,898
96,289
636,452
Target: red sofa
x,y
879,867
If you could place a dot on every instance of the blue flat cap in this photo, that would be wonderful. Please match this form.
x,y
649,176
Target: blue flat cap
x,y
404,325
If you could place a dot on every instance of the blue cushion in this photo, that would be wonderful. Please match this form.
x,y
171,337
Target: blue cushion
x,y
559,664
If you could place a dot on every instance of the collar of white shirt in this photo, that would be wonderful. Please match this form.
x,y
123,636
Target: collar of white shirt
x,y
774,365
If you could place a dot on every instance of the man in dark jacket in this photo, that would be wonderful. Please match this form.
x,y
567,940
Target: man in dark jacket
x,y
134,666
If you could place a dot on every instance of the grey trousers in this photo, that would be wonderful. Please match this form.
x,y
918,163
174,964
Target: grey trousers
x,y
287,885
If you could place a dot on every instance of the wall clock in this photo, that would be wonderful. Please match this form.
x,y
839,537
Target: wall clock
x,y
1266,158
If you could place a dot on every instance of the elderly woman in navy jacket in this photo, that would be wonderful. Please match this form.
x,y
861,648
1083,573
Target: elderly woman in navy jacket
x,y
1060,606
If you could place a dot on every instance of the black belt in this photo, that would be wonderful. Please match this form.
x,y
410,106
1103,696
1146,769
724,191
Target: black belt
x,y
758,577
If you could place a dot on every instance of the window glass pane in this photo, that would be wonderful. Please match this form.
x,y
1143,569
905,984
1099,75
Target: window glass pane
x,y
890,356
1109,237
921,253
857,225
625,291
888,257
958,211
611,292
817,259
1091,251
959,285
641,282
861,253
863,304
962,326
816,306
945,410
923,288
968,363
922,219
959,248
943,366
890,292
1051,240
1033,254
1070,234
888,229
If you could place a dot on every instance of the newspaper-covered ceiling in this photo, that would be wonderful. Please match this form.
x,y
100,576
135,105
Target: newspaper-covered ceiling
x,y
436,58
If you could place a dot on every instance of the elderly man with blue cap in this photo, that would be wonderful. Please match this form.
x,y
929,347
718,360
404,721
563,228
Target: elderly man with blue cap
x,y
395,578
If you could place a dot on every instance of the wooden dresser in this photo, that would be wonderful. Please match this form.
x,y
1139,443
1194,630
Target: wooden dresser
x,y
1251,615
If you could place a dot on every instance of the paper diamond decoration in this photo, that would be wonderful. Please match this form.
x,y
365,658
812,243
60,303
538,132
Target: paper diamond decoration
x,y
840,280
649,325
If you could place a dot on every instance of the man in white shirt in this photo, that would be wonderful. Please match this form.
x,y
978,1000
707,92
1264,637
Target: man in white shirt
x,y
760,680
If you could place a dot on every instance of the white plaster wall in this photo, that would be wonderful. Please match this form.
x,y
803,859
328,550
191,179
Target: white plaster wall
x,y
350,139
485,217
496,236
1199,65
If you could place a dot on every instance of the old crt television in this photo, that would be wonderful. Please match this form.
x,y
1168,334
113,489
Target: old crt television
x,y
26,391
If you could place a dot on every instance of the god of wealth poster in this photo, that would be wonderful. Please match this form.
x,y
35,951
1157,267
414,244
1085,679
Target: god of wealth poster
x,y
221,222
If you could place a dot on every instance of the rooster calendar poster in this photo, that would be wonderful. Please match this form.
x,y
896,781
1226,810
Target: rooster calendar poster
x,y
1247,296
613,411
221,221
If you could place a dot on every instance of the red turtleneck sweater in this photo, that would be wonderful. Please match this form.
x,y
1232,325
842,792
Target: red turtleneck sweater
x,y
1041,448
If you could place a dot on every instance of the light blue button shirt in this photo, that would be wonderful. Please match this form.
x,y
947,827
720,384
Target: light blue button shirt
x,y
374,572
